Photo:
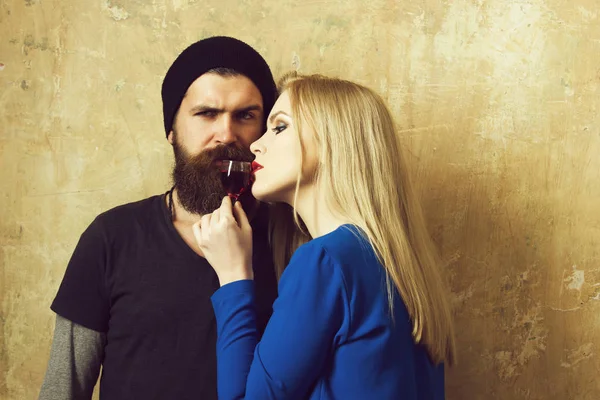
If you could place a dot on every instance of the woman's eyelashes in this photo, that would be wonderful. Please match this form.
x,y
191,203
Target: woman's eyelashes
x,y
280,127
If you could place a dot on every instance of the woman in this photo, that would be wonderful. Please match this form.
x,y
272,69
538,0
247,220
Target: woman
x,y
361,312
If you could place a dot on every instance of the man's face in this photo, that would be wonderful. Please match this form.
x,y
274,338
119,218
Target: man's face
x,y
219,110
218,119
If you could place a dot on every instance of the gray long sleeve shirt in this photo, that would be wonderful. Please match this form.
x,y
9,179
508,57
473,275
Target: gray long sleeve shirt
x,y
75,360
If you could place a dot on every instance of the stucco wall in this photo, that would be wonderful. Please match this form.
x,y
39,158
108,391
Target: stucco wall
x,y
498,102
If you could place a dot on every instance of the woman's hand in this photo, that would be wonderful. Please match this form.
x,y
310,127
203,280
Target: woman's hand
x,y
225,238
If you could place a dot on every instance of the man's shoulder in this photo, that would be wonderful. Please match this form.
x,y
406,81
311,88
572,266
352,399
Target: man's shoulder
x,y
132,208
124,214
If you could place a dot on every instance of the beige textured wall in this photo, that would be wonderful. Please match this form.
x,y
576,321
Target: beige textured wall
x,y
497,100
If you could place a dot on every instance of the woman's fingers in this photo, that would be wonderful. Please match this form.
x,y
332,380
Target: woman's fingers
x,y
214,220
241,217
219,222
225,209
197,232
205,226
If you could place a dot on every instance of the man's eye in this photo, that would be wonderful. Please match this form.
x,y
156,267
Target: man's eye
x,y
206,113
246,116
279,128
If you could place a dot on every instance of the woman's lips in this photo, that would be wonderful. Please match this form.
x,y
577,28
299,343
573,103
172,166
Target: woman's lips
x,y
256,166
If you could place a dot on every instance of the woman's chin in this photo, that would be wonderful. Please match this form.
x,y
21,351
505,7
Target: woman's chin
x,y
258,194
263,195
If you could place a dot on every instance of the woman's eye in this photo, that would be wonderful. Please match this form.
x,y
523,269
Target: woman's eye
x,y
279,128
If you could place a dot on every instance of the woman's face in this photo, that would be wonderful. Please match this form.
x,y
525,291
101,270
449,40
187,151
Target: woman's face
x,y
279,156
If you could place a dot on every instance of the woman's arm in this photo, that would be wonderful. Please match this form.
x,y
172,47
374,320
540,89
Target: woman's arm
x,y
310,316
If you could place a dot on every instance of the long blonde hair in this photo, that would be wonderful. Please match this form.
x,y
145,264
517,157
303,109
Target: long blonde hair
x,y
362,169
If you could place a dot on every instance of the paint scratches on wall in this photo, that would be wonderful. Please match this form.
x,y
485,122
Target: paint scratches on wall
x,y
30,43
1,66
507,368
576,356
116,13
576,279
509,54
528,327
119,85
586,14
177,4
459,299
534,334
578,286
296,61
419,21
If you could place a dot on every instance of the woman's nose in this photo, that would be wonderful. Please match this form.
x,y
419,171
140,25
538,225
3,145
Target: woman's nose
x,y
257,147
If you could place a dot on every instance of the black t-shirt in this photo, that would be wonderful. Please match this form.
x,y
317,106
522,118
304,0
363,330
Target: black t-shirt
x,y
133,277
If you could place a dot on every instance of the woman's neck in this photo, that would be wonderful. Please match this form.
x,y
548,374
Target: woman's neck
x,y
312,207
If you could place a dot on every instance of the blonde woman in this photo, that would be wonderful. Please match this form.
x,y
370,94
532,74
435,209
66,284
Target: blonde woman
x,y
361,312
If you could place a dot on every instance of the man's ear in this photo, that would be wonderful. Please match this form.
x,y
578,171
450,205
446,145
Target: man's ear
x,y
170,137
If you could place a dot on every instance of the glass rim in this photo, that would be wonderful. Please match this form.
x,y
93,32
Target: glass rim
x,y
234,165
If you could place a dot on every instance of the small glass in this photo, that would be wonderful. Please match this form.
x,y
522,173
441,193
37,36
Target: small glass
x,y
236,177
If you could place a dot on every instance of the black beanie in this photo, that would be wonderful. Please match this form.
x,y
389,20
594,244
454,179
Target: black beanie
x,y
214,52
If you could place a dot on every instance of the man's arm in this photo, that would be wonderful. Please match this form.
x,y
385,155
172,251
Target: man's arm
x,y
75,360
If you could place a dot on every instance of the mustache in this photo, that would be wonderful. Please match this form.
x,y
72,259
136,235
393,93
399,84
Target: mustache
x,y
197,178
221,152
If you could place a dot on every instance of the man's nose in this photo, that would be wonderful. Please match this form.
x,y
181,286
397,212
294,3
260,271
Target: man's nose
x,y
226,130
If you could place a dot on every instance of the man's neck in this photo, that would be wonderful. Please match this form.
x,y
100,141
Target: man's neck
x,y
186,218
180,214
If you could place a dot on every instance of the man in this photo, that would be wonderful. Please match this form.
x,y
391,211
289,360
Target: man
x,y
135,298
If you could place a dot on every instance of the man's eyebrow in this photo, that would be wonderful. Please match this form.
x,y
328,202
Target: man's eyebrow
x,y
273,116
254,107
205,107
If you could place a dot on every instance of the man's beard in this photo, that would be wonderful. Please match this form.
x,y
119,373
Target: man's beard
x,y
198,181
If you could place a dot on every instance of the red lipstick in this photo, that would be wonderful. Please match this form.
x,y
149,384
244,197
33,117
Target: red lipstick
x,y
256,166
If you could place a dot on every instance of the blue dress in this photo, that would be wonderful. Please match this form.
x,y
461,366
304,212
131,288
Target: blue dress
x,y
330,335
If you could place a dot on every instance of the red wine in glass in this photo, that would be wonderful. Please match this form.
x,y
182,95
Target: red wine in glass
x,y
235,177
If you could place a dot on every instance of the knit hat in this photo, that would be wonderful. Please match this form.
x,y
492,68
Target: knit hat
x,y
206,54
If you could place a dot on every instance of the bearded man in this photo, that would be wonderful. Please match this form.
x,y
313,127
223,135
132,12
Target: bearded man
x,y
135,298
